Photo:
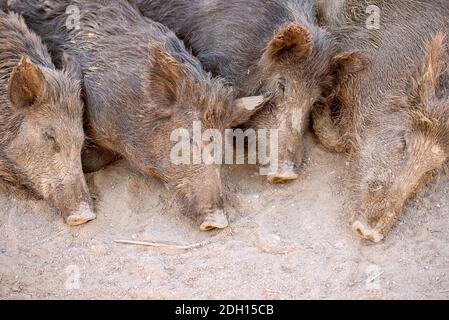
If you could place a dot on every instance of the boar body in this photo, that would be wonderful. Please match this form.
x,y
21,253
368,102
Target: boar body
x,y
41,123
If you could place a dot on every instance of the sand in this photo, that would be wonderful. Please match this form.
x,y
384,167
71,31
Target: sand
x,y
285,242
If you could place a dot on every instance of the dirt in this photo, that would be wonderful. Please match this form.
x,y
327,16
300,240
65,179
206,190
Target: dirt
x,y
286,242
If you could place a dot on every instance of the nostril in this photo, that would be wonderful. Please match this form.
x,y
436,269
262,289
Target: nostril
x,y
83,215
285,174
80,218
359,229
215,220
280,179
367,233
208,228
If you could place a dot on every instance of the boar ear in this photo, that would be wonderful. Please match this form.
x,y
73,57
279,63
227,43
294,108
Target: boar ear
x,y
164,76
292,40
26,84
426,79
71,67
244,108
347,64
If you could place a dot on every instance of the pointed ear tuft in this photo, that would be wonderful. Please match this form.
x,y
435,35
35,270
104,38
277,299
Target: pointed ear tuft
x,y
244,108
249,103
425,80
26,84
292,40
164,76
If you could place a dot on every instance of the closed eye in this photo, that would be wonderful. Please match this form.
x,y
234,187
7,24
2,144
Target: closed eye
x,y
51,139
281,86
402,143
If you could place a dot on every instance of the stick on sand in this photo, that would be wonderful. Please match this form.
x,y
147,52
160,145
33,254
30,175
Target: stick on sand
x,y
162,245
170,245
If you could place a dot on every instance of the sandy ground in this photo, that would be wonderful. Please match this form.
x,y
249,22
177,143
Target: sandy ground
x,y
286,242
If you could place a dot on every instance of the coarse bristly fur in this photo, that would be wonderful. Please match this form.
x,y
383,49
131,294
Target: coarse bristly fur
x,y
140,85
393,120
264,47
41,113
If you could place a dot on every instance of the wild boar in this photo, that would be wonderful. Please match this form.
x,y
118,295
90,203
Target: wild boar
x,y
41,123
393,119
141,85
273,48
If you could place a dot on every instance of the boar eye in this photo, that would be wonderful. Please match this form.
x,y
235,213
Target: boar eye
x,y
403,144
50,137
281,85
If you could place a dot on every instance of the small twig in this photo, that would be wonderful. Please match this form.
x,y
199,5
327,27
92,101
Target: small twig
x,y
375,277
170,245
161,245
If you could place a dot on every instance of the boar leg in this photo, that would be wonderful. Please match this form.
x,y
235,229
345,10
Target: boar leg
x,y
328,133
96,158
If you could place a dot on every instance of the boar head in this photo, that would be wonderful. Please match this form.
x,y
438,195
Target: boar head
x,y
403,152
45,147
181,94
302,65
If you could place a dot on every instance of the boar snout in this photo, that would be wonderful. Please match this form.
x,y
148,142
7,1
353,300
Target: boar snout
x,y
366,232
376,225
215,220
200,197
73,202
83,215
289,158
286,172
